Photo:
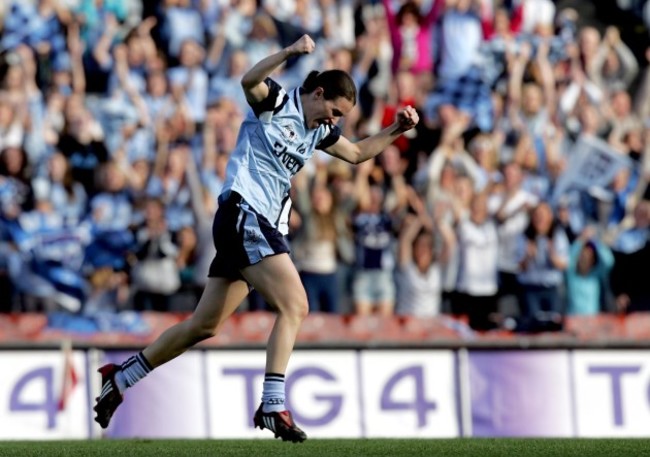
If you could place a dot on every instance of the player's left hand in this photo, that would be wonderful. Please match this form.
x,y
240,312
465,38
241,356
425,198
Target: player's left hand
x,y
407,118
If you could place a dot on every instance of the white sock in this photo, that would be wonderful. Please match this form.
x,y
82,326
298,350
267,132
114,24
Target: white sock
x,y
120,380
132,370
273,393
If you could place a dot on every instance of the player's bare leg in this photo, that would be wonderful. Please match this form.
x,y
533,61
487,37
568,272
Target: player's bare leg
x,y
277,280
220,299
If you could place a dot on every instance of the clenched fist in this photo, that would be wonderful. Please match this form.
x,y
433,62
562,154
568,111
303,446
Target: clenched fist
x,y
305,45
407,118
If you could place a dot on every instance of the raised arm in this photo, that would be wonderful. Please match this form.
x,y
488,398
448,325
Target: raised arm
x,y
372,146
75,48
547,78
517,68
391,18
410,229
437,7
253,83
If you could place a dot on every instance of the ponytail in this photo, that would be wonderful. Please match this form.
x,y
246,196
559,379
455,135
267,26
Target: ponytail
x,y
310,83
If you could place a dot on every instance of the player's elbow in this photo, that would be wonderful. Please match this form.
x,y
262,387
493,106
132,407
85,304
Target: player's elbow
x,y
351,159
247,82
355,155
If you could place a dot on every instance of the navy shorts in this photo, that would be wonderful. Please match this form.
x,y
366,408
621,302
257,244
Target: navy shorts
x,y
242,238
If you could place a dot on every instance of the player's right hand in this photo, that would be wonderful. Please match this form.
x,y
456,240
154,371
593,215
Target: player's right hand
x,y
304,45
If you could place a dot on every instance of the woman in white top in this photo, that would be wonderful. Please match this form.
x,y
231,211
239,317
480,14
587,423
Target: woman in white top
x,y
419,272
315,247
478,273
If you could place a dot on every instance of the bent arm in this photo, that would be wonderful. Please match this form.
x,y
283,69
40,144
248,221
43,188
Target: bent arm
x,y
628,62
391,19
411,228
372,146
253,83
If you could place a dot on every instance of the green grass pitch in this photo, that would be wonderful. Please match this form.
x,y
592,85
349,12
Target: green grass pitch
x,y
483,447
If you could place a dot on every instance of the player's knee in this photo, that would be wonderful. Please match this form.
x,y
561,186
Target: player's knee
x,y
296,307
201,330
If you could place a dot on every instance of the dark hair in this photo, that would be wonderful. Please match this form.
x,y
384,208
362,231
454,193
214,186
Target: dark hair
x,y
589,244
335,84
409,7
531,232
25,171
68,178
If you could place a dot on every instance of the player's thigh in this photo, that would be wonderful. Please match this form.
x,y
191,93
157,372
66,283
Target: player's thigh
x,y
220,299
277,280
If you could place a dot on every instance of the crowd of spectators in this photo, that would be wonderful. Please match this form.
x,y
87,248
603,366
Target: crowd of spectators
x,y
521,197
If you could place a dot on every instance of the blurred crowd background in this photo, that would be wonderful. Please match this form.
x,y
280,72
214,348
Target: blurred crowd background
x,y
522,197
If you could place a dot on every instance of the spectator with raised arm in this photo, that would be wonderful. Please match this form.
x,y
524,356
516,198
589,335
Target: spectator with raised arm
x,y
587,275
373,286
226,85
419,261
460,92
411,35
67,196
189,80
510,207
155,275
614,66
315,248
477,287
181,23
168,183
82,142
38,25
532,105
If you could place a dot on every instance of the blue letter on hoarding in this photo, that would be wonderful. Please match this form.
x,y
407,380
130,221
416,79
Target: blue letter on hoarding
x,y
335,401
420,404
49,406
249,375
616,374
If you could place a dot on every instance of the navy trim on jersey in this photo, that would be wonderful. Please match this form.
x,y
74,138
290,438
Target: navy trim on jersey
x,y
296,93
269,103
285,99
330,139
284,202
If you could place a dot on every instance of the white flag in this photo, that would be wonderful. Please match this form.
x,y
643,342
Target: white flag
x,y
594,163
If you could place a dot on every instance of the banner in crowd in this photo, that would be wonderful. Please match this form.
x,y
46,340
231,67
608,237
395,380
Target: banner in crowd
x,y
593,164
338,394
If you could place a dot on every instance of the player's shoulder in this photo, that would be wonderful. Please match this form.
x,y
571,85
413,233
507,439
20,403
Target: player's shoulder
x,y
276,101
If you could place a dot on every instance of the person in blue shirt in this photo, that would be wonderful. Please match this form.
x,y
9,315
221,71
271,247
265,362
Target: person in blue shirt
x,y
587,274
275,140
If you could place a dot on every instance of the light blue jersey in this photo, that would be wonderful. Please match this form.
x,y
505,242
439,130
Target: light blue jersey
x,y
273,145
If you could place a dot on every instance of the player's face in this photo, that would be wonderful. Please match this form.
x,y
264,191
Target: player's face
x,y
327,111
